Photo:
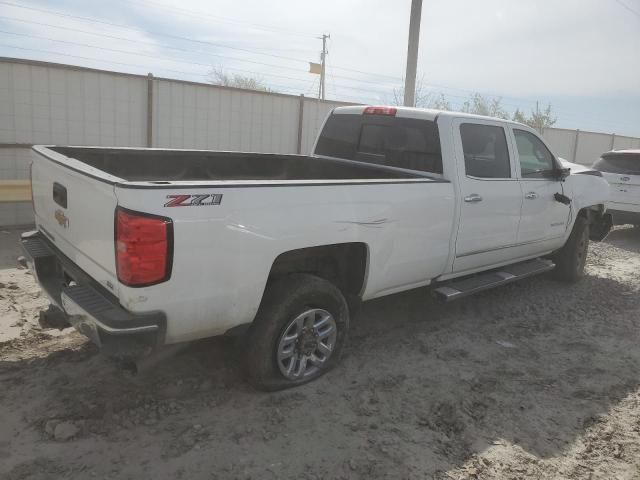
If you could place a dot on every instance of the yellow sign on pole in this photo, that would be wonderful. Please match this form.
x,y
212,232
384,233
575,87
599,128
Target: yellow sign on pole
x,y
315,68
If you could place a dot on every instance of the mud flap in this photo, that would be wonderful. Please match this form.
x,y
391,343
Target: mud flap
x,y
600,226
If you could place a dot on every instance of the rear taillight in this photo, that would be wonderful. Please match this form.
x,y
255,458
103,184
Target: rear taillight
x,y
391,111
144,248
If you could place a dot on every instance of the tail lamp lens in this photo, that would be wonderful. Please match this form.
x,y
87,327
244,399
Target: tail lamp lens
x,y
143,248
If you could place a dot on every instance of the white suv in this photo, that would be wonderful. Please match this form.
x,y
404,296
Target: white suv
x,y
621,168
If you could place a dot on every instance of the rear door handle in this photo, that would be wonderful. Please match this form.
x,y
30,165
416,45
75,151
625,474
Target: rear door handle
x,y
531,195
473,198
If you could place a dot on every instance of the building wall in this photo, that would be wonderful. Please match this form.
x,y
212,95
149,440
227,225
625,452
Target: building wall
x,y
44,103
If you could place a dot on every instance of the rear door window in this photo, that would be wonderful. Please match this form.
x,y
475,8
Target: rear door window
x,y
485,151
382,140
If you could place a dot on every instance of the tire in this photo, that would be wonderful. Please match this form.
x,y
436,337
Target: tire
x,y
305,308
572,257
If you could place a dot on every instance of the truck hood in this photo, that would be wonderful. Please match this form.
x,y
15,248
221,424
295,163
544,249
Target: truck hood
x,y
575,167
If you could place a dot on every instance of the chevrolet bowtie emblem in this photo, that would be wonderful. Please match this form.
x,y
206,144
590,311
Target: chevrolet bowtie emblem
x,y
62,219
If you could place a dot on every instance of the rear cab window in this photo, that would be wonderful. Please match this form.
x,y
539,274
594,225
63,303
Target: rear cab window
x,y
407,143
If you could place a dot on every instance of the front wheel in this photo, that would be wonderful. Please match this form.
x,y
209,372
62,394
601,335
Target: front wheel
x,y
572,257
298,334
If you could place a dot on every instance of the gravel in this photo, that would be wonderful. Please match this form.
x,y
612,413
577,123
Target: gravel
x,y
538,379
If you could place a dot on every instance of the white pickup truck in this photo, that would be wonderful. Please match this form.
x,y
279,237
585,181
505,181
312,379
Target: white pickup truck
x,y
166,246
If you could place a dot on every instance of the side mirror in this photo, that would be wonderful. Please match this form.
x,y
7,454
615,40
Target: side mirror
x,y
562,173
557,173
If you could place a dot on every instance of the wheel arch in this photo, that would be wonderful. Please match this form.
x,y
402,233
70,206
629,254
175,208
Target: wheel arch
x,y
600,222
343,264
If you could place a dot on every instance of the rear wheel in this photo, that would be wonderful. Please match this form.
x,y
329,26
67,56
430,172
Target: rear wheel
x,y
572,257
298,334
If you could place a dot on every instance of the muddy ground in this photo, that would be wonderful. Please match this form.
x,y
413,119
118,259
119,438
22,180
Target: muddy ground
x,y
539,379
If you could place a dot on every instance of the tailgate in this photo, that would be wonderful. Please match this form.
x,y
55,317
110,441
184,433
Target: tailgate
x,y
625,189
74,207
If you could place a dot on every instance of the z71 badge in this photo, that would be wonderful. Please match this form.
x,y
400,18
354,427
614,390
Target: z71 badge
x,y
198,200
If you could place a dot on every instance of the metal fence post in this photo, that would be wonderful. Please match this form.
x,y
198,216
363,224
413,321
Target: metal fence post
x,y
300,119
150,110
575,145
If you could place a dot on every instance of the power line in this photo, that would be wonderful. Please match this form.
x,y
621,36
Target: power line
x,y
156,57
153,44
635,12
301,86
282,88
222,56
178,37
287,88
168,35
199,14
170,47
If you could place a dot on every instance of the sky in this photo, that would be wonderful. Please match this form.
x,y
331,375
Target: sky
x,y
580,56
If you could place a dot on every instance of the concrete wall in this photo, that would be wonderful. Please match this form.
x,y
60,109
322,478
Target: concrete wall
x,y
44,103
187,115
585,147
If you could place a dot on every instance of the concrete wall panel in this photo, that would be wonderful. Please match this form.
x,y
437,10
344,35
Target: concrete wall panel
x,y
43,103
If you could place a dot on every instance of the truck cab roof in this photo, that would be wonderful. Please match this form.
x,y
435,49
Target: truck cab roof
x,y
420,113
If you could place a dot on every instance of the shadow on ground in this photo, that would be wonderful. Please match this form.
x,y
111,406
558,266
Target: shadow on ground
x,y
627,238
10,246
423,387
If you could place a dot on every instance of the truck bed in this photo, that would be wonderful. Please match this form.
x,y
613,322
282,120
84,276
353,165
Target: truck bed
x,y
222,252
149,165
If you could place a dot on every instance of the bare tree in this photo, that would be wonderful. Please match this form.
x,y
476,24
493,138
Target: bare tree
x,y
519,116
480,105
423,97
538,119
440,102
477,104
218,76
541,119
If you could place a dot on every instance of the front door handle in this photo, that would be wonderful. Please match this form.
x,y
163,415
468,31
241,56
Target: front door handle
x,y
473,198
531,195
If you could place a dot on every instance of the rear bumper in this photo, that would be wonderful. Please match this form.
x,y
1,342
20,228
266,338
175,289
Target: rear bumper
x,y
92,310
621,217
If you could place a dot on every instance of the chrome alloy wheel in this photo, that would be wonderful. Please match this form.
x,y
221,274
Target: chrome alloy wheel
x,y
306,344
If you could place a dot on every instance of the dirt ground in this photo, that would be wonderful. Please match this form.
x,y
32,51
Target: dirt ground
x,y
538,379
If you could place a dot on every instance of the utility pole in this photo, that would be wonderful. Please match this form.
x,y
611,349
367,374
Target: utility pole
x,y
323,57
412,54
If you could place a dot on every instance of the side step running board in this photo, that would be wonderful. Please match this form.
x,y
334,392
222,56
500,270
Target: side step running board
x,y
462,287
